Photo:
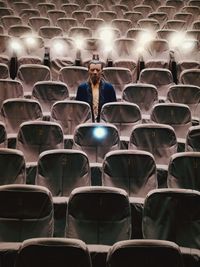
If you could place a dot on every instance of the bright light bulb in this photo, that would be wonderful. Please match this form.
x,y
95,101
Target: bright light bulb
x,y
79,42
188,45
31,41
58,47
99,132
176,40
15,46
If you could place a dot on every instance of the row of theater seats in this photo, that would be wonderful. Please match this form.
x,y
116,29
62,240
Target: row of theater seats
x,y
121,78
126,28
100,217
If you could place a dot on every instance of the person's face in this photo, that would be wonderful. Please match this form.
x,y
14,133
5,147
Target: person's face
x,y
95,71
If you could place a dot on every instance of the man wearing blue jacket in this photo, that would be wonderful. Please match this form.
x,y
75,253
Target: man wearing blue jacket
x,y
96,91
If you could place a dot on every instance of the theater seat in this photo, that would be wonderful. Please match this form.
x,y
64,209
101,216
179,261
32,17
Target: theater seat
x,y
53,251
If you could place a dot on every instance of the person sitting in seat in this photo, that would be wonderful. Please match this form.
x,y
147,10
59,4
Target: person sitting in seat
x,y
96,91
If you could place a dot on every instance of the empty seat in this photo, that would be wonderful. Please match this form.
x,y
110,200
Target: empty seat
x,y
69,8
166,34
170,10
81,15
20,5
183,171
45,7
107,15
132,170
4,71
4,11
133,16
192,139
161,17
26,14
145,253
12,164
55,14
196,25
186,16
124,48
123,115
161,78
144,9
94,211
46,251
35,137
186,94
94,24
175,24
28,212
10,89
175,114
94,8
57,170
177,4
119,77
69,114
37,22
144,95
10,20
194,10
48,92
72,76
172,214
15,111
149,24
66,23
157,54
79,31
33,50
121,24
38,73
19,30
158,139
119,9
96,139
49,32
190,76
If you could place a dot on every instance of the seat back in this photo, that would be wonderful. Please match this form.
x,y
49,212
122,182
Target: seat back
x,y
28,212
12,165
174,215
134,171
144,95
69,114
35,137
57,170
15,111
94,211
183,171
50,251
96,139
146,253
193,139
174,114
158,139
48,92
123,115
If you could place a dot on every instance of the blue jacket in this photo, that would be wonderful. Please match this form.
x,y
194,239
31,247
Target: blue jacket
x,y
106,95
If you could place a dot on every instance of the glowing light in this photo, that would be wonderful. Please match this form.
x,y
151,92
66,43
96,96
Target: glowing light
x,y
176,40
30,41
15,46
106,34
79,42
99,132
58,47
188,45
